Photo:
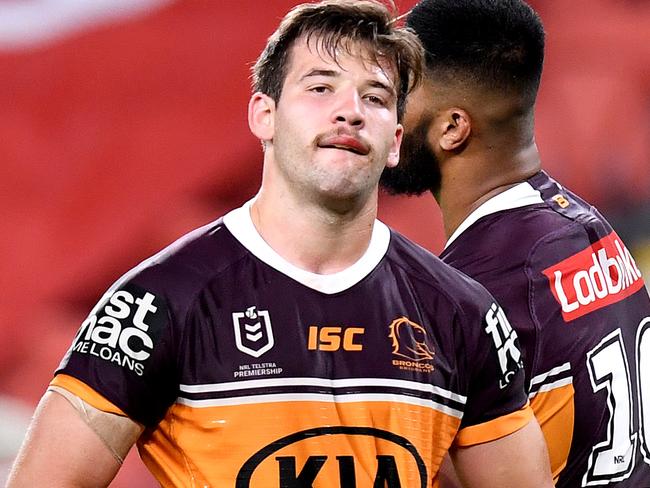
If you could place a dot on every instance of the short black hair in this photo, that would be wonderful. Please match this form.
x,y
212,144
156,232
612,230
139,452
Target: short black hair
x,y
493,44
336,25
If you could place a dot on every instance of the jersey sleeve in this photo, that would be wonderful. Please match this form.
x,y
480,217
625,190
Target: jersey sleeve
x,y
497,404
124,354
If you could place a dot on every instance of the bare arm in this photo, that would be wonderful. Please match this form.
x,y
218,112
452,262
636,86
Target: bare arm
x,y
61,448
518,460
447,476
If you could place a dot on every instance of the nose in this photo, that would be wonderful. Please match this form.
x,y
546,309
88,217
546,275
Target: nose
x,y
348,108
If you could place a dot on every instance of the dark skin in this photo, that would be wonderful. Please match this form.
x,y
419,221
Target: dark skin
x,y
482,141
482,144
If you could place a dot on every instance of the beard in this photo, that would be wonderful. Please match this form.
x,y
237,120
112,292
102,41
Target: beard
x,y
418,170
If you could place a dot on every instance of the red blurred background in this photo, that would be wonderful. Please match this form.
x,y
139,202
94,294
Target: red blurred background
x,y
124,126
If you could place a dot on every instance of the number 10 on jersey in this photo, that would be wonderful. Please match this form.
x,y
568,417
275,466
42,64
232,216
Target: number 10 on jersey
x,y
613,458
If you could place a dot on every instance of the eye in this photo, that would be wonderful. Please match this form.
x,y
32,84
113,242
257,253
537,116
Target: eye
x,y
376,100
319,89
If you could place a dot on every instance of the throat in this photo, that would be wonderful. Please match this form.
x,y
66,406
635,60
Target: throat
x,y
314,241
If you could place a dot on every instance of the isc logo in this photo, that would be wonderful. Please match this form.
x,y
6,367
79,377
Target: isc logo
x,y
331,338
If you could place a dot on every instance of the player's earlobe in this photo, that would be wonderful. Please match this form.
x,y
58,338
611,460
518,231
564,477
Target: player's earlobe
x,y
261,109
456,129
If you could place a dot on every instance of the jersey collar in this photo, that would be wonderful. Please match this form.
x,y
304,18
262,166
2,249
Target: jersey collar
x,y
520,195
240,225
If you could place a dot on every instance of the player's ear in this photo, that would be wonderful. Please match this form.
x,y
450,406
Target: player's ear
x,y
261,109
393,154
456,127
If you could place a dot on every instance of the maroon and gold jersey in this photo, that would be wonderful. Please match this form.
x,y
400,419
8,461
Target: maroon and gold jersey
x,y
250,372
576,298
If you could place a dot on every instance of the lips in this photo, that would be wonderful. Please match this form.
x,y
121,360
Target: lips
x,y
344,142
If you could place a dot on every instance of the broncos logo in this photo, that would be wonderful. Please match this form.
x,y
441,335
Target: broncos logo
x,y
409,340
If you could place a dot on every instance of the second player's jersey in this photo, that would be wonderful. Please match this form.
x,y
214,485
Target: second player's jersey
x,y
576,298
250,372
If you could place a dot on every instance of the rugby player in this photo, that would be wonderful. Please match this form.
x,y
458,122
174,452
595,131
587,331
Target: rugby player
x,y
298,341
566,280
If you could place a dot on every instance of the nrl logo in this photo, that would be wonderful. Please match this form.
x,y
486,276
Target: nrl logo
x,y
253,333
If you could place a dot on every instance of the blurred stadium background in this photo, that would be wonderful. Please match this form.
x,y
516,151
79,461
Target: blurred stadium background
x,y
124,125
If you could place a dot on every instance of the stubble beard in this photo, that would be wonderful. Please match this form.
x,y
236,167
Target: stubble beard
x,y
329,178
418,170
346,185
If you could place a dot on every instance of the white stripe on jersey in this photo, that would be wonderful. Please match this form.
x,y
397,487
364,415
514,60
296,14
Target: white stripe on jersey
x,y
323,382
554,378
318,397
542,377
552,386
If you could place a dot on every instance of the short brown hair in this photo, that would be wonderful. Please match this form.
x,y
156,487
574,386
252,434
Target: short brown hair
x,y
336,24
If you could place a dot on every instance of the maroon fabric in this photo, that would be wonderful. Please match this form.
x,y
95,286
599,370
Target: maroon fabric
x,y
569,288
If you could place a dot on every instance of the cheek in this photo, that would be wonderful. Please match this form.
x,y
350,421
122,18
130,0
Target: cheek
x,y
292,128
389,135
384,120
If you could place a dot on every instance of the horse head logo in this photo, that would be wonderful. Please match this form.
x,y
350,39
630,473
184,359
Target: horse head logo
x,y
409,340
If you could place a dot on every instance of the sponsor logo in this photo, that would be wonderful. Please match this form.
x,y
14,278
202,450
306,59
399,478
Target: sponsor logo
x,y
381,458
505,341
119,329
410,345
595,277
332,338
253,333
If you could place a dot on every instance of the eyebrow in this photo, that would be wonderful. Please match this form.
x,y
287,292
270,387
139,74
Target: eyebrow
x,y
382,86
320,72
333,74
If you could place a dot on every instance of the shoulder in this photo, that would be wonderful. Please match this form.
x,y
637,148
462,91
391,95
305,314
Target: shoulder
x,y
513,236
176,274
513,231
426,270
562,205
567,224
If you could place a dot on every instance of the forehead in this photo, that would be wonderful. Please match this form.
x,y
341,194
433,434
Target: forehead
x,y
343,55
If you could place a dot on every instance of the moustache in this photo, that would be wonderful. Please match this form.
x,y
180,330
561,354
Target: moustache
x,y
344,139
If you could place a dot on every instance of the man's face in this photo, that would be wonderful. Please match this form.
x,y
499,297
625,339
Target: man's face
x,y
335,125
419,168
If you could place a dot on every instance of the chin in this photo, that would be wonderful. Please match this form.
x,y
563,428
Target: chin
x,y
345,196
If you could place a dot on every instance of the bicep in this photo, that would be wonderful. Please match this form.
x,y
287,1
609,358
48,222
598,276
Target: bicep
x,y
518,460
62,448
555,412
447,477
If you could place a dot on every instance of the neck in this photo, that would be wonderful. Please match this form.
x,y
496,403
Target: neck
x,y
470,179
315,237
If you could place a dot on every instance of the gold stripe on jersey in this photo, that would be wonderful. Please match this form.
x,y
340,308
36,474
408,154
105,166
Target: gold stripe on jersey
x,y
251,443
554,410
86,393
213,445
494,429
